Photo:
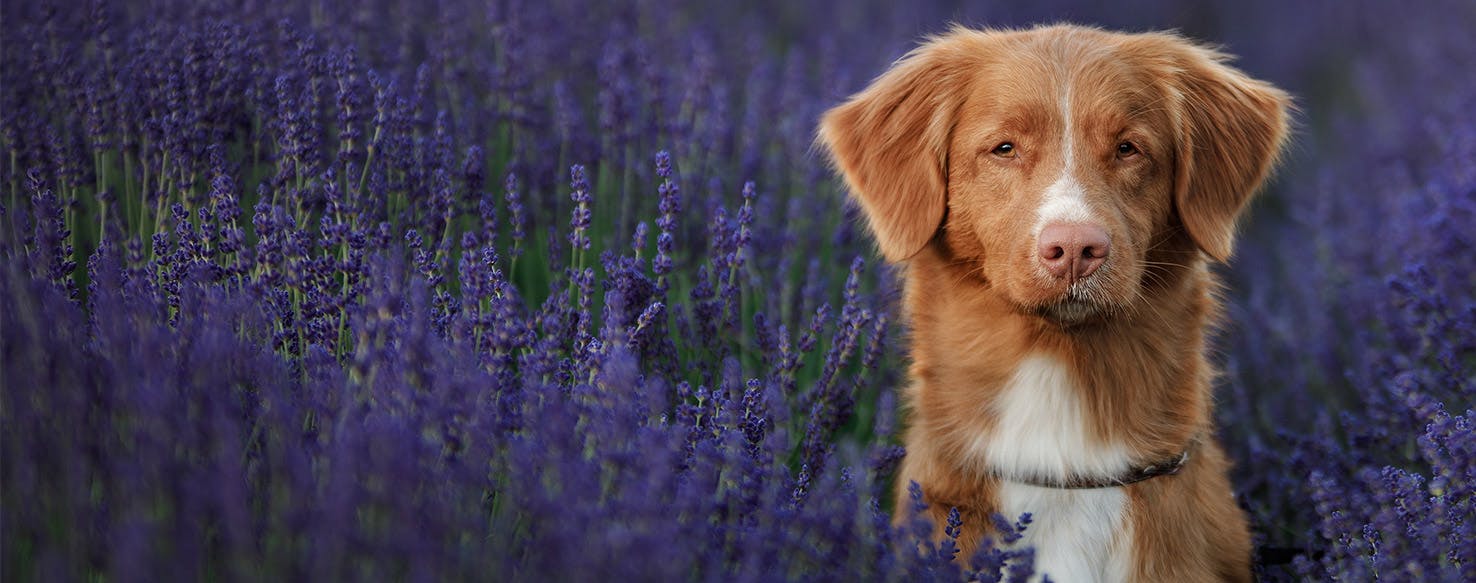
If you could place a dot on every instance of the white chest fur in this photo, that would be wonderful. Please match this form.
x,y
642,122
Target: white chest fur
x,y
1079,535
1041,430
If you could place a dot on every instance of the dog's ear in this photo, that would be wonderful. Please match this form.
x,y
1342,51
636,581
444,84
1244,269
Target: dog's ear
x,y
1232,130
890,141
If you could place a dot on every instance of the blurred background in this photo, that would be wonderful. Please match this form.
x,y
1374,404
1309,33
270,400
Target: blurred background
x,y
371,198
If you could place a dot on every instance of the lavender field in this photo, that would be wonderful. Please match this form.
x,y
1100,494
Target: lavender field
x,y
560,290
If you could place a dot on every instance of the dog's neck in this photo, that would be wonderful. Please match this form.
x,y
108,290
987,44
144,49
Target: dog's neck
x,y
1136,382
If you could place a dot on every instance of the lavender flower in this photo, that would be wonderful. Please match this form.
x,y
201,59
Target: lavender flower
x,y
517,217
669,206
579,219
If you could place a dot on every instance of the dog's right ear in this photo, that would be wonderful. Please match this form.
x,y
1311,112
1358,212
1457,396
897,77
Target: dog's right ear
x,y
890,141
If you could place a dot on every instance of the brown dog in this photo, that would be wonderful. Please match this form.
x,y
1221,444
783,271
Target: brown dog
x,y
1057,194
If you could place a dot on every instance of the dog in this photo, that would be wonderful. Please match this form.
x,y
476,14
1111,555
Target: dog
x,y
1056,196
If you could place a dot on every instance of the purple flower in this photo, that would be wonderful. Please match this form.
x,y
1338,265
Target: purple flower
x,y
669,205
579,219
516,215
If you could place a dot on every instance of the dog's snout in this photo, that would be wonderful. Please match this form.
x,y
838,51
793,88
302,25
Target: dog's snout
x,y
1073,250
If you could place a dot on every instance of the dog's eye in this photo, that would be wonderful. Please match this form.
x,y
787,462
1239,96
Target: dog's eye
x,y
1004,150
1126,150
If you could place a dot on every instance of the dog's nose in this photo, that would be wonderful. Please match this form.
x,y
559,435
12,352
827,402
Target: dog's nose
x,y
1073,250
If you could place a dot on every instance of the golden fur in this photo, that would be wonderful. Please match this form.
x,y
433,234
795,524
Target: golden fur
x,y
918,149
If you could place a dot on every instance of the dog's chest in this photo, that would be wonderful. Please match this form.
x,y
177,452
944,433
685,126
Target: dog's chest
x,y
1042,430
1078,535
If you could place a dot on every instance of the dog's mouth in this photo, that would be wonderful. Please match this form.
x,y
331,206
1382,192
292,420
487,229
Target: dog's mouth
x,y
1070,312
1075,307
1069,303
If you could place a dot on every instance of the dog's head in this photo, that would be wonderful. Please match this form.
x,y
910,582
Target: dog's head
x,y
1055,161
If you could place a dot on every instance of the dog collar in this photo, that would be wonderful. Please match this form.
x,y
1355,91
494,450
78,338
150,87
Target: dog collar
x,y
1164,467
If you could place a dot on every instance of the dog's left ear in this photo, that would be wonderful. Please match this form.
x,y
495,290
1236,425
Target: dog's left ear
x,y
1232,130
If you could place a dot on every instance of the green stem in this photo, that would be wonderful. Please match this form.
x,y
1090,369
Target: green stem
x,y
363,173
164,188
14,180
99,170
297,296
127,184
102,222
